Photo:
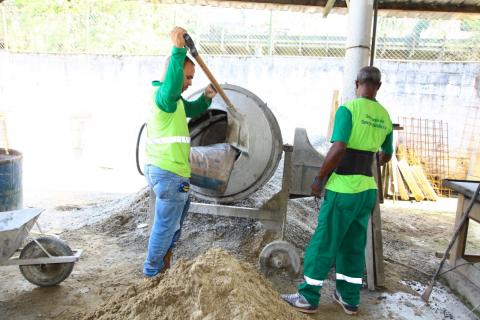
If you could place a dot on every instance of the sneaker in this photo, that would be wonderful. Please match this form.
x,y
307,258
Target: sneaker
x,y
348,308
297,301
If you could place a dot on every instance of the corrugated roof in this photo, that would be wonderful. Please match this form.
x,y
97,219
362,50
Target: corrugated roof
x,y
439,6
419,6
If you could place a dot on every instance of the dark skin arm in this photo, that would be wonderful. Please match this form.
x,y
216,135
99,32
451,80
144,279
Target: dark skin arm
x,y
333,158
383,158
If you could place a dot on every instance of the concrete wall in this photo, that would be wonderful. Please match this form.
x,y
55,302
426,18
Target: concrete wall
x,y
89,107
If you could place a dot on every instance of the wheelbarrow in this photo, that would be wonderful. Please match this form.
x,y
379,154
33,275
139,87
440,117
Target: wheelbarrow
x,y
44,261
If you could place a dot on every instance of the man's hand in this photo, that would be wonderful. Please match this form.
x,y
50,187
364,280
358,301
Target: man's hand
x,y
177,37
317,186
210,91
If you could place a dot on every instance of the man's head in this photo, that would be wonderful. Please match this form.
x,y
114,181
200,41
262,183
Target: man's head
x,y
188,72
368,82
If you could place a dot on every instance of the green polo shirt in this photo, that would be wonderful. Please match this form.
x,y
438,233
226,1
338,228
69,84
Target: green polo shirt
x,y
362,124
168,145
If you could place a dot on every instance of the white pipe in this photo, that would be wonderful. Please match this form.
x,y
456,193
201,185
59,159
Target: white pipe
x,y
357,53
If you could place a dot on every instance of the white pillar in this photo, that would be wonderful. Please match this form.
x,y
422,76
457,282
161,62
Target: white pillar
x,y
357,53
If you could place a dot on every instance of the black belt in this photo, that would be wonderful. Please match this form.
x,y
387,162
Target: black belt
x,y
356,162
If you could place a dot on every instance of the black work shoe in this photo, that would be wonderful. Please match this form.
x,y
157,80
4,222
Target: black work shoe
x,y
297,301
348,308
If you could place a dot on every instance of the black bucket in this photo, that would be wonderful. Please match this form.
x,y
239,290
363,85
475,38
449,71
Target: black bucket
x,y
11,195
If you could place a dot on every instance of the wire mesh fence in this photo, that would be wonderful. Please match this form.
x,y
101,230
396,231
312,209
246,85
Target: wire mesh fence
x,y
141,28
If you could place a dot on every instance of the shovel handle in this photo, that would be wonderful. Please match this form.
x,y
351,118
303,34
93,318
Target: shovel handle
x,y
193,50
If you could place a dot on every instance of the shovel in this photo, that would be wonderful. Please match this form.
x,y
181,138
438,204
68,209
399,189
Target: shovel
x,y
237,136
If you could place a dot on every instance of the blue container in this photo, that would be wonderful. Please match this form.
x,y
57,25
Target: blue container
x,y
11,195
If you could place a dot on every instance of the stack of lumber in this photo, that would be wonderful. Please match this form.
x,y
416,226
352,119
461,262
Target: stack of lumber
x,y
404,181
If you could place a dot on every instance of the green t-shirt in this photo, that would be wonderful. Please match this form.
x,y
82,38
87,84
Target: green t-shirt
x,y
362,124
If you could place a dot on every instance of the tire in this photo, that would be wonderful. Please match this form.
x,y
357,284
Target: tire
x,y
51,274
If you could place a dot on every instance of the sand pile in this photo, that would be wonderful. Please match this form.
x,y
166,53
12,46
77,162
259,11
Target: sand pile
x,y
213,286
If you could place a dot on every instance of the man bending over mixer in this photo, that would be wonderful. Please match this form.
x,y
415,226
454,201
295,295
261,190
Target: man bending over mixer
x,y
167,168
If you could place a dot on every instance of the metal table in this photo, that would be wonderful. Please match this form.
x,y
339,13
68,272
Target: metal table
x,y
470,267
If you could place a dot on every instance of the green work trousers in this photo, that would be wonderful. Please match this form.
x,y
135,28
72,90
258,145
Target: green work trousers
x,y
340,238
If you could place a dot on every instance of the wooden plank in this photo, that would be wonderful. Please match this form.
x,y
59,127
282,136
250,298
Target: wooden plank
x,y
472,258
458,248
369,258
402,189
423,183
378,246
333,110
471,272
377,239
475,212
410,180
385,178
391,189
467,188
394,176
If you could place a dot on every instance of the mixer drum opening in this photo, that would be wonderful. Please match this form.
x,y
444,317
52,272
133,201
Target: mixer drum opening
x,y
253,166
208,129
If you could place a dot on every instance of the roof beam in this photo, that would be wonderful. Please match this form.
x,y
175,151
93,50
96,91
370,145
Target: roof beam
x,y
446,6
431,7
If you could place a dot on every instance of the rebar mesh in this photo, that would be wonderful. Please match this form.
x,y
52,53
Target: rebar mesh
x,y
425,143
141,28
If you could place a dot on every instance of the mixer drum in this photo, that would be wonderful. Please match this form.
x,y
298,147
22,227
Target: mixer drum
x,y
256,164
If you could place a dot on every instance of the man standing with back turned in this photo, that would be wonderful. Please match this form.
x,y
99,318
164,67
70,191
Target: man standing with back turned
x,y
167,168
361,127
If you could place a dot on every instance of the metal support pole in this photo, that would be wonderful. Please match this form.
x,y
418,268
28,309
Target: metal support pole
x,y
270,35
357,45
87,28
287,180
374,32
5,34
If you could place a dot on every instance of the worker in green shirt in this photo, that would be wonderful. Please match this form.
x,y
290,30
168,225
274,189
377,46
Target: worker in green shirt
x,y
361,128
167,168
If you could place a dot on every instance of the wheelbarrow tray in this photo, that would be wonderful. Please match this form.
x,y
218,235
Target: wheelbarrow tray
x,y
14,228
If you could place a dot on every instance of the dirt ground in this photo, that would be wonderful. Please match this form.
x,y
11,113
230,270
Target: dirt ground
x,y
112,232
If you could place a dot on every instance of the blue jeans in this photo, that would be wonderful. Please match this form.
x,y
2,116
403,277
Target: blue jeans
x,y
171,207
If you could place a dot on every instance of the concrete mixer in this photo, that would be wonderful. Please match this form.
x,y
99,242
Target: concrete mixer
x,y
236,146
254,166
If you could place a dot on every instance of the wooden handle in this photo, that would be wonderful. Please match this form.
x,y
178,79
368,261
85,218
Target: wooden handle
x,y
214,82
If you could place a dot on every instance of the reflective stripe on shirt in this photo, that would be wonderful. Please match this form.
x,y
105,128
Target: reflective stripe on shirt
x,y
167,140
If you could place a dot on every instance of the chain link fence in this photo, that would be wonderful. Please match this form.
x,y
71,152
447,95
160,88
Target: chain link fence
x,y
142,28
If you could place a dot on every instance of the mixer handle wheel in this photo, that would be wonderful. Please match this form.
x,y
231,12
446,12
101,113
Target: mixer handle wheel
x,y
279,254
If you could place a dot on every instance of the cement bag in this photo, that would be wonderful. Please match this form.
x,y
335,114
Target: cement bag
x,y
212,165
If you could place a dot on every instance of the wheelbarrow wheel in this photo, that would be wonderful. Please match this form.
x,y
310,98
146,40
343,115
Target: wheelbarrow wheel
x,y
51,274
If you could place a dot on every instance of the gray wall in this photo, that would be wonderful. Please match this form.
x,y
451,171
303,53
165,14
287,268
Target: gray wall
x,y
93,105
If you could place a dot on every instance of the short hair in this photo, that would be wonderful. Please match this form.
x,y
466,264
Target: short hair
x,y
188,60
369,75
167,62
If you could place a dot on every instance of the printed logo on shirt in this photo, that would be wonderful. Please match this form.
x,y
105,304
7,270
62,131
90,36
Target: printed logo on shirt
x,y
374,122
